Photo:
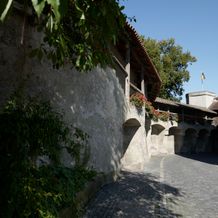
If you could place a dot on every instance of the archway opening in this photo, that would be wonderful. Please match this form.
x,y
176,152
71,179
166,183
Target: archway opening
x,y
213,140
157,137
130,127
189,144
176,138
202,143
134,146
156,129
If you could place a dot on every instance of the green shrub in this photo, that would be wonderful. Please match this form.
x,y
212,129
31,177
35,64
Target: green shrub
x,y
30,128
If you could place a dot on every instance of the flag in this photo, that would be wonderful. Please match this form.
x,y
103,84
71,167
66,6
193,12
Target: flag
x,y
202,77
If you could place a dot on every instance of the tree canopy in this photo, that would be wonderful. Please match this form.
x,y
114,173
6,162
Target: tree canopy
x,y
172,64
79,32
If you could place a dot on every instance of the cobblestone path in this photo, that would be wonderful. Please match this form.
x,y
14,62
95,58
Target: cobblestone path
x,y
171,186
197,179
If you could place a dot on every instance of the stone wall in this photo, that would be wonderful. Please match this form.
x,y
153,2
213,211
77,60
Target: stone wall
x,y
135,154
159,140
174,138
92,101
201,99
120,135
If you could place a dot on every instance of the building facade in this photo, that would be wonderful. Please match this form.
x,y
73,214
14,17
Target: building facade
x,y
98,102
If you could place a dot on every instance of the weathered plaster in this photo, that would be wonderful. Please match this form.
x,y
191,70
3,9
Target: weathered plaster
x,y
92,101
136,154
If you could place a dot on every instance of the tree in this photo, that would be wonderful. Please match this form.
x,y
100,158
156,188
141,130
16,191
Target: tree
x,y
171,63
79,32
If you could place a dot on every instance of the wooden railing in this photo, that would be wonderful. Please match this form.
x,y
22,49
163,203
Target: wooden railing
x,y
134,89
119,64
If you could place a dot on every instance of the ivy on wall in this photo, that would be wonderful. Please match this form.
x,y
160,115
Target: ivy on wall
x,y
29,129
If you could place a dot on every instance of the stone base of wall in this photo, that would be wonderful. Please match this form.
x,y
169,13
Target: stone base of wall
x,y
88,193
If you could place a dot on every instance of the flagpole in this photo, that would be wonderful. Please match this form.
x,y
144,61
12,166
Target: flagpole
x,y
202,86
202,80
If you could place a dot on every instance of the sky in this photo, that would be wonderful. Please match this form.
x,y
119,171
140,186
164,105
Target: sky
x,y
194,26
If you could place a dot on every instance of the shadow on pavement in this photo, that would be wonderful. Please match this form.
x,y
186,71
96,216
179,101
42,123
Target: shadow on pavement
x,y
133,195
209,158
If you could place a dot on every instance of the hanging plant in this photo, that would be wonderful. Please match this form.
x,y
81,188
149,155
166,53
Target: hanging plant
x,y
138,99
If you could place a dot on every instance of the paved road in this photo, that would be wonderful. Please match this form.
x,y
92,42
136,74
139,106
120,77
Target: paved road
x,y
171,186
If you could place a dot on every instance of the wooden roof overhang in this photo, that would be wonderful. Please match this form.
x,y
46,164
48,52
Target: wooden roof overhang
x,y
214,105
190,109
140,58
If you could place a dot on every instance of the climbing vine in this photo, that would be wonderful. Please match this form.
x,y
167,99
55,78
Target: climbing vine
x,y
79,32
30,130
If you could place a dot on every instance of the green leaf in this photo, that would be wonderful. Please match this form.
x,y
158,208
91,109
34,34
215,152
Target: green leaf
x,y
78,61
122,8
82,16
77,7
63,7
4,8
55,6
87,35
38,6
50,23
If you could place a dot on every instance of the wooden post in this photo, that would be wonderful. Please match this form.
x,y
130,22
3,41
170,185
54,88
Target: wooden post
x,y
142,80
127,68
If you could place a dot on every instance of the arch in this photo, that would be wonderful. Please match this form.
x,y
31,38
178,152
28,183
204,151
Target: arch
x,y
203,132
189,145
157,138
133,154
156,129
130,127
176,138
174,130
202,143
190,132
213,140
132,122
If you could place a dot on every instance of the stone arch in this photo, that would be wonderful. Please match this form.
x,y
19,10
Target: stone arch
x,y
134,145
157,137
202,141
130,127
173,130
156,129
132,122
213,140
175,138
189,144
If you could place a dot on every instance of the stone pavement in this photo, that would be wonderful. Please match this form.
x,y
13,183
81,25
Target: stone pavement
x,y
172,186
196,177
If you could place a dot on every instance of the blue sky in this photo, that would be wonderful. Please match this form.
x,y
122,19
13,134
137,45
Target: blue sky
x,y
194,26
